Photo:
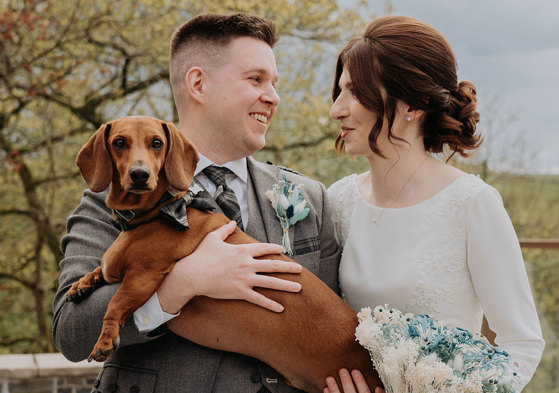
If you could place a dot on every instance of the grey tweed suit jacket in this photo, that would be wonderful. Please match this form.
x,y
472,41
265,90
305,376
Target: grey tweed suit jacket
x,y
161,361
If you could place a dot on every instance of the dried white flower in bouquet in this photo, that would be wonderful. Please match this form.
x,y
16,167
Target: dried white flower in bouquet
x,y
418,354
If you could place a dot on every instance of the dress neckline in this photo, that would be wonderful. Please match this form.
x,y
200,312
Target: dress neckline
x,y
449,186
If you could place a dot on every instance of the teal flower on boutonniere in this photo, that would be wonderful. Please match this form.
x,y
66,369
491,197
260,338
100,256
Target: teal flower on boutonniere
x,y
290,206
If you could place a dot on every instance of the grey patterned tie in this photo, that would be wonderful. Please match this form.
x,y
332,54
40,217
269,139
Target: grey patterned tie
x,y
224,196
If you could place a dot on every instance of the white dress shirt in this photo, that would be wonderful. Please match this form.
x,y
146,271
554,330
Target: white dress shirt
x,y
150,315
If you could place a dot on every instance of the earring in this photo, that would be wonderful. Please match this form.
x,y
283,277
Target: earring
x,y
408,118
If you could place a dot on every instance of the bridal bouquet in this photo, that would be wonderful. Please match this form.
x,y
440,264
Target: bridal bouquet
x,y
416,354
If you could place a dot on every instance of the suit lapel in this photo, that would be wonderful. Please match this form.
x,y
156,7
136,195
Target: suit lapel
x,y
263,225
255,226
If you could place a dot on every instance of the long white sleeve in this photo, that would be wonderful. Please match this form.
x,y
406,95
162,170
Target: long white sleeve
x,y
500,281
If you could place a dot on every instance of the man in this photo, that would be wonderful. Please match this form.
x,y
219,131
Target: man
x,y
223,74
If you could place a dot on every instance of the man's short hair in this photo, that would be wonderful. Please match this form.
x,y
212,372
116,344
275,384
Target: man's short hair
x,y
201,42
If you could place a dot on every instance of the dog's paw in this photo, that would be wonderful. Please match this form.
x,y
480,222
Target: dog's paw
x,y
79,291
101,353
78,295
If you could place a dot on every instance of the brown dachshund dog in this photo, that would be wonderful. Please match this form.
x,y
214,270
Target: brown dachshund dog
x,y
142,157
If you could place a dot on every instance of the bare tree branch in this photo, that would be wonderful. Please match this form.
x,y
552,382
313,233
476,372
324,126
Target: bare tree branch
x,y
25,283
14,211
54,140
53,179
88,111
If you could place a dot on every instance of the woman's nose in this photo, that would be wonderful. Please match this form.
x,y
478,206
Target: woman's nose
x,y
338,110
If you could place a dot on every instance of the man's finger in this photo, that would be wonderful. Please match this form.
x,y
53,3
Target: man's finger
x,y
262,249
224,231
277,266
278,284
263,301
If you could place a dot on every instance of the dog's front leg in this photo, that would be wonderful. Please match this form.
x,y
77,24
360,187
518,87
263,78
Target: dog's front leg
x,y
135,290
110,271
85,286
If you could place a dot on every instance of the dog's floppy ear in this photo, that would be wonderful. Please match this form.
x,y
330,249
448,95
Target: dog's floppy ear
x,y
181,159
95,162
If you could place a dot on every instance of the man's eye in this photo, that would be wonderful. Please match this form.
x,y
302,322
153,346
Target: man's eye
x,y
157,144
119,143
255,79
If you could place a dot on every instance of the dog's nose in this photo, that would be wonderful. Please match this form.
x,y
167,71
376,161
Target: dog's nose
x,y
139,174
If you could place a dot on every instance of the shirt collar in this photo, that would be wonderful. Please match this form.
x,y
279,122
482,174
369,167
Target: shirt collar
x,y
238,167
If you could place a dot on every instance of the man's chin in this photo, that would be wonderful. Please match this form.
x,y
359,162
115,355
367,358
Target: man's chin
x,y
257,148
254,145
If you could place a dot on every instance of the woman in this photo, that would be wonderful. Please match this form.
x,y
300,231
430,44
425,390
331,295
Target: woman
x,y
419,234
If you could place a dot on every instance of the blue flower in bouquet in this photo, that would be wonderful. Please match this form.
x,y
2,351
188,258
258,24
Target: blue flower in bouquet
x,y
416,353
290,206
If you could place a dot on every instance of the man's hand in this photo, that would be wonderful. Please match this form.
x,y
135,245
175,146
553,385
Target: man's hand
x,y
226,271
354,383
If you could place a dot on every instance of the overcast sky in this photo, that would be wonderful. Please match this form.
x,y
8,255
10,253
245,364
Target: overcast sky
x,y
510,50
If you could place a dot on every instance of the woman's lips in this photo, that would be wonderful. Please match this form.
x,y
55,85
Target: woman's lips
x,y
345,132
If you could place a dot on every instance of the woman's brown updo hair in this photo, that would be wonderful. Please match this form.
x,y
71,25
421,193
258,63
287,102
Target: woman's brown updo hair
x,y
411,61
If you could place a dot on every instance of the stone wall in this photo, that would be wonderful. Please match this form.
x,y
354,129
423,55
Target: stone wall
x,y
46,373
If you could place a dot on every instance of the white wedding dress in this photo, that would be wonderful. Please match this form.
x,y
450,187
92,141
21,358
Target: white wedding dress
x,y
454,256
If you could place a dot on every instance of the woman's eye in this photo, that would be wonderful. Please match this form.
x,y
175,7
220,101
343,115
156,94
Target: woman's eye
x,y
119,143
157,144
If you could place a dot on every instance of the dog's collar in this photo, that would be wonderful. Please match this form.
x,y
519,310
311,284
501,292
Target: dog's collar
x,y
123,216
129,215
174,212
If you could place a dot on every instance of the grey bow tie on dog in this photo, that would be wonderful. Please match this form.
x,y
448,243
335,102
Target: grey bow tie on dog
x,y
175,212
196,197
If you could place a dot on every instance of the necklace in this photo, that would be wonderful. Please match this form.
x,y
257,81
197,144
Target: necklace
x,y
374,219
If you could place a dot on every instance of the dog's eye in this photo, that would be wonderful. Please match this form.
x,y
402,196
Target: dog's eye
x,y
119,143
157,144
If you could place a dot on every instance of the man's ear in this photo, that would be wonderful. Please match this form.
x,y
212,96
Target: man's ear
x,y
95,162
194,82
181,159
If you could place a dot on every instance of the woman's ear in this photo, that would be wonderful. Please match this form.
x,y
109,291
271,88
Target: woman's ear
x,y
94,161
412,114
181,159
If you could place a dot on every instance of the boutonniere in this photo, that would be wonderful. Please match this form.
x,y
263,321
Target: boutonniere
x,y
290,206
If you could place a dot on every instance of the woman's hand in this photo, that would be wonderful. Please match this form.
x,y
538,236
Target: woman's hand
x,y
226,271
354,383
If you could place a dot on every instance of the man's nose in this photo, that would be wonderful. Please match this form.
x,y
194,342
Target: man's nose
x,y
271,96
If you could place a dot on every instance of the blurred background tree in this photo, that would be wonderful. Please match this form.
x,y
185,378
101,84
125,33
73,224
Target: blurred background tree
x,y
68,66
